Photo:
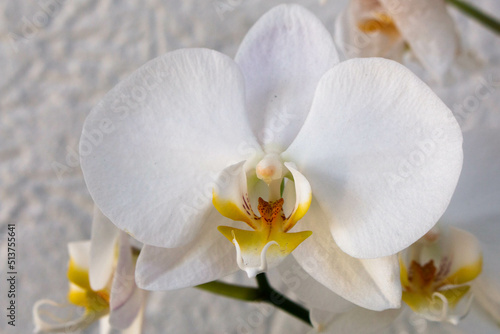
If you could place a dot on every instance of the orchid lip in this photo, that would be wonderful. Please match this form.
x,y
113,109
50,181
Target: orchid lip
x,y
269,241
252,271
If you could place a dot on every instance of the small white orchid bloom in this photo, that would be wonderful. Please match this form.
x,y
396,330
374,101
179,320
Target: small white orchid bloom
x,y
437,273
385,28
194,147
101,279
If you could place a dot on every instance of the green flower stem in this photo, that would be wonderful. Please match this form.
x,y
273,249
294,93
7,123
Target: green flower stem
x,y
232,291
263,293
277,299
483,18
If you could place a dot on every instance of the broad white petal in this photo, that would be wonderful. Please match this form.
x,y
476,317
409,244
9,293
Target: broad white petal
x,y
150,149
79,254
209,257
314,294
370,283
126,297
102,250
282,57
382,154
429,29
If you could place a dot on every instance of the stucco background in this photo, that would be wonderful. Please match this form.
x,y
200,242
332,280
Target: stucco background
x,y
55,67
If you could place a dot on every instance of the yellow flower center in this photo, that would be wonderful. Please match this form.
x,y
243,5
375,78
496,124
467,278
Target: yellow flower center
x,y
269,240
432,291
382,23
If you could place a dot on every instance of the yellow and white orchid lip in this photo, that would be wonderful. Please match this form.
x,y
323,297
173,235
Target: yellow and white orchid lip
x,y
437,272
269,241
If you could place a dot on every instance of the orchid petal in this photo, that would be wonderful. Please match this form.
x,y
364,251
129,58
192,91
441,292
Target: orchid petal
x,y
466,257
102,250
124,316
136,326
79,255
429,29
126,298
104,326
314,294
282,57
382,154
303,196
61,325
209,257
150,148
230,196
370,283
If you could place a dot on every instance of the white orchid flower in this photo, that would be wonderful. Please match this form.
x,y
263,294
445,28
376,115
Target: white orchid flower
x,y
179,153
437,273
445,273
101,281
386,28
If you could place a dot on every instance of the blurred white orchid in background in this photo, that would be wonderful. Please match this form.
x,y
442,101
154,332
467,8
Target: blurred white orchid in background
x,y
101,280
437,272
194,141
443,274
387,28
